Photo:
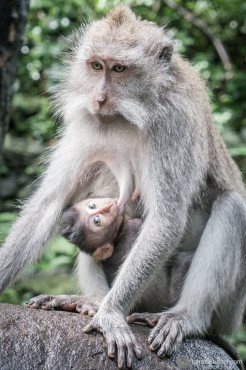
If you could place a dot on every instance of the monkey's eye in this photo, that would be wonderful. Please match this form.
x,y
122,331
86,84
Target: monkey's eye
x,y
119,68
97,220
92,205
96,65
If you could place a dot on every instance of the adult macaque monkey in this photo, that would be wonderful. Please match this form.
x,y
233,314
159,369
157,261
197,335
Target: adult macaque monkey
x,y
131,102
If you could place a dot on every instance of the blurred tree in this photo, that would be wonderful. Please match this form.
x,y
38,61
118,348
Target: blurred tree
x,y
13,15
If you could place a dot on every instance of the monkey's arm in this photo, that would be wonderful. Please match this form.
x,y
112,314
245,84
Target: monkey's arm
x,y
132,278
174,176
40,215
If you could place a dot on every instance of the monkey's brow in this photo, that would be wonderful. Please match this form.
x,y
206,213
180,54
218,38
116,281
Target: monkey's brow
x,y
126,61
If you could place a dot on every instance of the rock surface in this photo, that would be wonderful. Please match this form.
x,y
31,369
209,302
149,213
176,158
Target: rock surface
x,y
51,340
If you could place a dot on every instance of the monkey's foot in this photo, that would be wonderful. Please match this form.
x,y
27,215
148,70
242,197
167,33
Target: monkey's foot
x,y
168,333
81,304
120,339
149,318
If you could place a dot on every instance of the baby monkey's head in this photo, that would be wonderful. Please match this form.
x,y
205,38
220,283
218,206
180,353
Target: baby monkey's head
x,y
92,225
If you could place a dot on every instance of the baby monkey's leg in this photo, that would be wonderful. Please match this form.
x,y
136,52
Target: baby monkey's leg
x,y
81,304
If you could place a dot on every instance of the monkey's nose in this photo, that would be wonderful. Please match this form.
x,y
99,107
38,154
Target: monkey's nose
x,y
99,102
101,98
106,208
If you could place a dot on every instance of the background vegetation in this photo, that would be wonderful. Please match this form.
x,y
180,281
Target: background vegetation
x,y
32,128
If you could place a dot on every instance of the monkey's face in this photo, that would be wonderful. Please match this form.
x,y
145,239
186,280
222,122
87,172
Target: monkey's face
x,y
106,74
101,217
120,69
92,225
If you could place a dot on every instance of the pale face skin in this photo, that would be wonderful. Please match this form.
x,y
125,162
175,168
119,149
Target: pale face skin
x,y
102,218
106,72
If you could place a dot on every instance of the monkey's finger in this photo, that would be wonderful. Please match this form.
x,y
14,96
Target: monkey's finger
x,y
157,342
84,311
88,328
136,317
79,308
152,322
147,318
68,306
172,341
154,332
158,338
46,306
167,345
136,346
33,304
121,354
130,355
175,341
91,313
111,348
132,318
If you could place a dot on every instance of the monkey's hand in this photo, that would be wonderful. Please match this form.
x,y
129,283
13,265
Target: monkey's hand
x,y
118,335
168,333
87,305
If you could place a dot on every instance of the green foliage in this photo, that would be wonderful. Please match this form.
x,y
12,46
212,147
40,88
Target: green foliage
x,y
239,341
52,274
32,127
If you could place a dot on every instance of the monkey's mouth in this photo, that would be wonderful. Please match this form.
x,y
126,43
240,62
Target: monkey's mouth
x,y
108,118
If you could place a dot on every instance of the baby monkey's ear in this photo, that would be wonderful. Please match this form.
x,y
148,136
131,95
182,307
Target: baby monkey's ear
x,y
103,252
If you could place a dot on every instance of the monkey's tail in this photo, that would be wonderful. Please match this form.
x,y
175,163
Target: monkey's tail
x,y
228,347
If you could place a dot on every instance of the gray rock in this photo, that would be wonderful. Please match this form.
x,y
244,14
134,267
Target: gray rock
x,y
51,340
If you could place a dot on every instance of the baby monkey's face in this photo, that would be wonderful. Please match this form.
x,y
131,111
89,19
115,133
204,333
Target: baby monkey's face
x,y
92,225
99,215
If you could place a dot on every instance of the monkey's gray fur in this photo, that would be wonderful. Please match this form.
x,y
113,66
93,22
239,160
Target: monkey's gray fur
x,y
154,130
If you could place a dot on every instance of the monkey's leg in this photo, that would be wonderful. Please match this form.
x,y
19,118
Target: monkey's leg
x,y
81,304
92,283
46,302
213,295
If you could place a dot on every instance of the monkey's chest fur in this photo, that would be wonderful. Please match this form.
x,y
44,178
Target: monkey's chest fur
x,y
116,165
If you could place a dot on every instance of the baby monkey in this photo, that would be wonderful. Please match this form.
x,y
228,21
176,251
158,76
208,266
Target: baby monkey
x,y
100,227
93,225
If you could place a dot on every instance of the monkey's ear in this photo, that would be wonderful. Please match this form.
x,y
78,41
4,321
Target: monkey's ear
x,y
103,252
166,53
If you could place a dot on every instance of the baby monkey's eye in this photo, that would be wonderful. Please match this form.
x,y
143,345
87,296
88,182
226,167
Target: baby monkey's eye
x,y
96,65
92,205
119,68
97,220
